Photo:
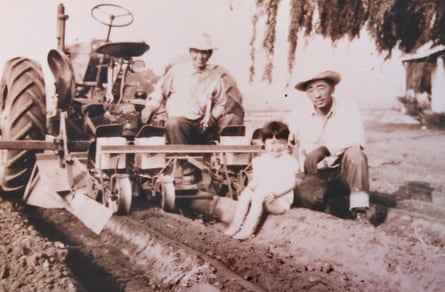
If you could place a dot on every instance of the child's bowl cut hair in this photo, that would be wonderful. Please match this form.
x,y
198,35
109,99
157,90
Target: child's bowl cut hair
x,y
276,129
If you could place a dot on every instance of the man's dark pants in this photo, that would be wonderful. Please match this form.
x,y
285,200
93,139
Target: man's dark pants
x,y
329,189
181,130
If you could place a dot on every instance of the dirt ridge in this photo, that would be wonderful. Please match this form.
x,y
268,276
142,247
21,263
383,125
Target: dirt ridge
x,y
151,247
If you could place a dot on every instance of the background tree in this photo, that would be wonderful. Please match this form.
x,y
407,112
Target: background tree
x,y
401,24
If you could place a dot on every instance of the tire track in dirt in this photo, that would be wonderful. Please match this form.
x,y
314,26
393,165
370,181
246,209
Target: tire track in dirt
x,y
170,262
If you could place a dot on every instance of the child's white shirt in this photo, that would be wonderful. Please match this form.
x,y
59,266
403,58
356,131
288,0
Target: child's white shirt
x,y
274,174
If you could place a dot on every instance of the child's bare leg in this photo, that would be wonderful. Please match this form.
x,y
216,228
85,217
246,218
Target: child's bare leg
x,y
241,210
252,219
276,207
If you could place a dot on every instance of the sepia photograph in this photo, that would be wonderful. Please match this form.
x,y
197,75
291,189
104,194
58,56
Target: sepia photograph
x,y
225,145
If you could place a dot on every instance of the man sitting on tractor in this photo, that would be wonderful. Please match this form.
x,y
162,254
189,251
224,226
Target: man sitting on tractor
x,y
198,99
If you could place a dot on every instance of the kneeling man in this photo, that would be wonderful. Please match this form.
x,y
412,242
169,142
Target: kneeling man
x,y
330,138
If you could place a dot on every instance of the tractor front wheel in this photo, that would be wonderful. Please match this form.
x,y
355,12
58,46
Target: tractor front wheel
x,y
23,114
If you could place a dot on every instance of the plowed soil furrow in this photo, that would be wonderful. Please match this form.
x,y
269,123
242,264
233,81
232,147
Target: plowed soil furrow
x,y
129,255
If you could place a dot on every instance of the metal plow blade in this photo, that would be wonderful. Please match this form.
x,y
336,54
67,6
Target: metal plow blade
x,y
91,213
49,180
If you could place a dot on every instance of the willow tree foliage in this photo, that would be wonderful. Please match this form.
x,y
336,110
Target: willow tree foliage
x,y
401,24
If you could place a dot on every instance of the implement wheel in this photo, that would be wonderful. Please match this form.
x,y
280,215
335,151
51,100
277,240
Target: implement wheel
x,y
168,195
125,195
23,117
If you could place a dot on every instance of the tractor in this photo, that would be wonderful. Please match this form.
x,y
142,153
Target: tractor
x,y
95,143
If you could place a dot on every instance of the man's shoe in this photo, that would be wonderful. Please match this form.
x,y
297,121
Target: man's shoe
x,y
360,216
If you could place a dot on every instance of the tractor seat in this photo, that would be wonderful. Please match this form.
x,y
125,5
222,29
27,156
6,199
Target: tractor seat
x,y
124,50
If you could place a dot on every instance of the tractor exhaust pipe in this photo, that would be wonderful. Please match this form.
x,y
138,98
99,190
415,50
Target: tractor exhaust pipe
x,y
61,20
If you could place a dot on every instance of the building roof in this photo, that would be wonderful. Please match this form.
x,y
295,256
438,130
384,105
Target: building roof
x,y
425,52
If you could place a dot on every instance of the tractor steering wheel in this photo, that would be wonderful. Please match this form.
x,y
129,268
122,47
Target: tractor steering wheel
x,y
107,14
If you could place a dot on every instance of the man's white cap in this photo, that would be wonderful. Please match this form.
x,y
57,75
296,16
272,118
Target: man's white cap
x,y
202,42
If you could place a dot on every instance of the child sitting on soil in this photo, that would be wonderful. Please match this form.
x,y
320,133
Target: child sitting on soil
x,y
273,180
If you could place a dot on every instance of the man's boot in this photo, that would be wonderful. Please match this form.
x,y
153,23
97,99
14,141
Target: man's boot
x,y
359,204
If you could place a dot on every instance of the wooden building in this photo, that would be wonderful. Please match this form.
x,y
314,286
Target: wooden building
x,y
425,77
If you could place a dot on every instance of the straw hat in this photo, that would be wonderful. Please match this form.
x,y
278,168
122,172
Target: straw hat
x,y
331,76
202,42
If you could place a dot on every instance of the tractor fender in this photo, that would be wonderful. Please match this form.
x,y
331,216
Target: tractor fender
x,y
63,72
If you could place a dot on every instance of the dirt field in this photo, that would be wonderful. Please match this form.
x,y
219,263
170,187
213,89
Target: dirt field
x,y
152,250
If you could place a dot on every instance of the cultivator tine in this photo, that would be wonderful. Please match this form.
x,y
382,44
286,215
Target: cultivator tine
x,y
76,173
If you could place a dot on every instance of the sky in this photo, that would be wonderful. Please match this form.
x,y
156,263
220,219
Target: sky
x,y
162,24
28,28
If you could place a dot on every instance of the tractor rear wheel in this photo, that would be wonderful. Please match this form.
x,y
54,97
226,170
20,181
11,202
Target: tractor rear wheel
x,y
23,106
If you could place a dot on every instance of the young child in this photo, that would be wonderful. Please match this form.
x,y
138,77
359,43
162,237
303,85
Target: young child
x,y
273,180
